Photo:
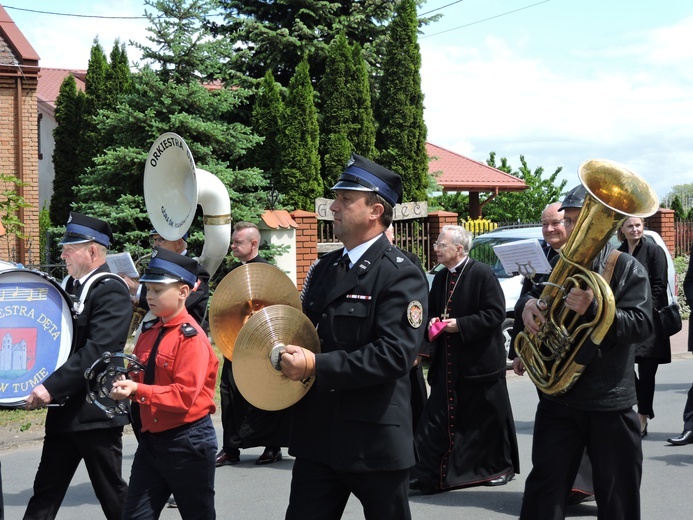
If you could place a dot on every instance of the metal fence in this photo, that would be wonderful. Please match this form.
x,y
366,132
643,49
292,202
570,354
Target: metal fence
x,y
683,232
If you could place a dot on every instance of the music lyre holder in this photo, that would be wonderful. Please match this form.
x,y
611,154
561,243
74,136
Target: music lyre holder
x,y
528,272
117,364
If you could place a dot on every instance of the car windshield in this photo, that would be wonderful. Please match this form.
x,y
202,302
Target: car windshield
x,y
482,250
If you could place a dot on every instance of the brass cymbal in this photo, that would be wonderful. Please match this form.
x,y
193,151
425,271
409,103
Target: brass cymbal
x,y
243,292
256,356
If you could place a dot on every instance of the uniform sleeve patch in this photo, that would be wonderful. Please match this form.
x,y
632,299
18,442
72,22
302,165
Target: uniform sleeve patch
x,y
415,313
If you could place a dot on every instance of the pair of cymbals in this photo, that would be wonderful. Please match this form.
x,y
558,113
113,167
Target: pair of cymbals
x,y
255,312
243,292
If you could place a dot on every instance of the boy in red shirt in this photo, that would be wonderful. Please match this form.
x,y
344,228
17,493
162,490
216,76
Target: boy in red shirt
x,y
175,396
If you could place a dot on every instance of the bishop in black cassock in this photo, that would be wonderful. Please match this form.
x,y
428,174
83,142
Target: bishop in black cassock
x,y
466,436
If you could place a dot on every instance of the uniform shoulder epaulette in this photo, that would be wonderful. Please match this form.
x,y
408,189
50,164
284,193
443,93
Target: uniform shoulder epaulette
x,y
188,330
395,255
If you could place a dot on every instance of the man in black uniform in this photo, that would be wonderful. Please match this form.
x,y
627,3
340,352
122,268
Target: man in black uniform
x,y
77,430
352,432
243,425
686,436
597,412
419,390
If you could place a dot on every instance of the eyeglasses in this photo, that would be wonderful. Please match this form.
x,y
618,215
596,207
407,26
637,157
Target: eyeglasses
x,y
440,245
157,240
569,221
553,223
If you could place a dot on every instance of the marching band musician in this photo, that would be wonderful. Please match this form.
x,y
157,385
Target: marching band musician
x,y
175,395
78,430
244,425
597,412
352,432
199,295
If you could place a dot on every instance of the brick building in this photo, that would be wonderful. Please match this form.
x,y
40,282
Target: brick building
x,y
19,70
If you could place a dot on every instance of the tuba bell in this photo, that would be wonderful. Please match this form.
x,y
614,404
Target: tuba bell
x,y
173,188
613,193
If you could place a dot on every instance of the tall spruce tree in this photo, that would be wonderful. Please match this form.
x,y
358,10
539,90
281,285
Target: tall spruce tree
x,y
169,97
168,49
299,139
69,115
275,35
267,112
401,135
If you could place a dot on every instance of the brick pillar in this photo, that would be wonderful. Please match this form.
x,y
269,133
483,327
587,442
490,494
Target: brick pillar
x,y
306,243
663,223
438,219
435,221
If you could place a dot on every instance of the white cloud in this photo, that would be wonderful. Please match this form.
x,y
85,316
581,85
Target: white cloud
x,y
620,104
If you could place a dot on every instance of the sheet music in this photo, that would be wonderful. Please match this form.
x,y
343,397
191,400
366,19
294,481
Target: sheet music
x,y
122,263
523,256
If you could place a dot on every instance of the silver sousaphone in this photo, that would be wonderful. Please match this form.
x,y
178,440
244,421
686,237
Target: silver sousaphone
x,y
173,188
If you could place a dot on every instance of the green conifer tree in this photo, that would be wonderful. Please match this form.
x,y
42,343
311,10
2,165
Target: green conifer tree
x,y
338,96
267,112
118,76
69,115
275,35
401,135
300,181
97,92
169,97
362,131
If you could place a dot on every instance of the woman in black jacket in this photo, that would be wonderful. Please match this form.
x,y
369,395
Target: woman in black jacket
x,y
656,349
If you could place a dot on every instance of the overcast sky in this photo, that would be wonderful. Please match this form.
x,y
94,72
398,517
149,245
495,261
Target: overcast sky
x,y
558,81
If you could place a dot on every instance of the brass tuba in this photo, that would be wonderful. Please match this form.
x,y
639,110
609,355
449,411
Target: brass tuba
x,y
613,193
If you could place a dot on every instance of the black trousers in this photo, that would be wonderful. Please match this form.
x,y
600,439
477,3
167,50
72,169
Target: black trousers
x,y
233,406
320,493
245,426
419,394
688,412
613,443
102,452
645,385
178,461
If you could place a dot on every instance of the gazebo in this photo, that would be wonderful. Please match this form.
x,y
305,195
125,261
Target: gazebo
x,y
454,172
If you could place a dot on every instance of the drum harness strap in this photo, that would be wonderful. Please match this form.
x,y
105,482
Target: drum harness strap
x,y
78,305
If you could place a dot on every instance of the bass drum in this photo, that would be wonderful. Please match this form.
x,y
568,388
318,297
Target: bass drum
x,y
35,329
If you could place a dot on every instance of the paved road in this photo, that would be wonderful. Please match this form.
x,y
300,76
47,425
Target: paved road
x,y
249,492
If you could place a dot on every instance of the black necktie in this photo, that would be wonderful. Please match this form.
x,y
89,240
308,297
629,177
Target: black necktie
x,y
75,286
342,267
151,362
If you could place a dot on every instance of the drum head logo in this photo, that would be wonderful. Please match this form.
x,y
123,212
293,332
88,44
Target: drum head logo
x,y
35,333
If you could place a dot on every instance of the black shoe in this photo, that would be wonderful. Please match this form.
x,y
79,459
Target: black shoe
x,y
685,438
269,456
500,481
224,459
578,497
425,489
